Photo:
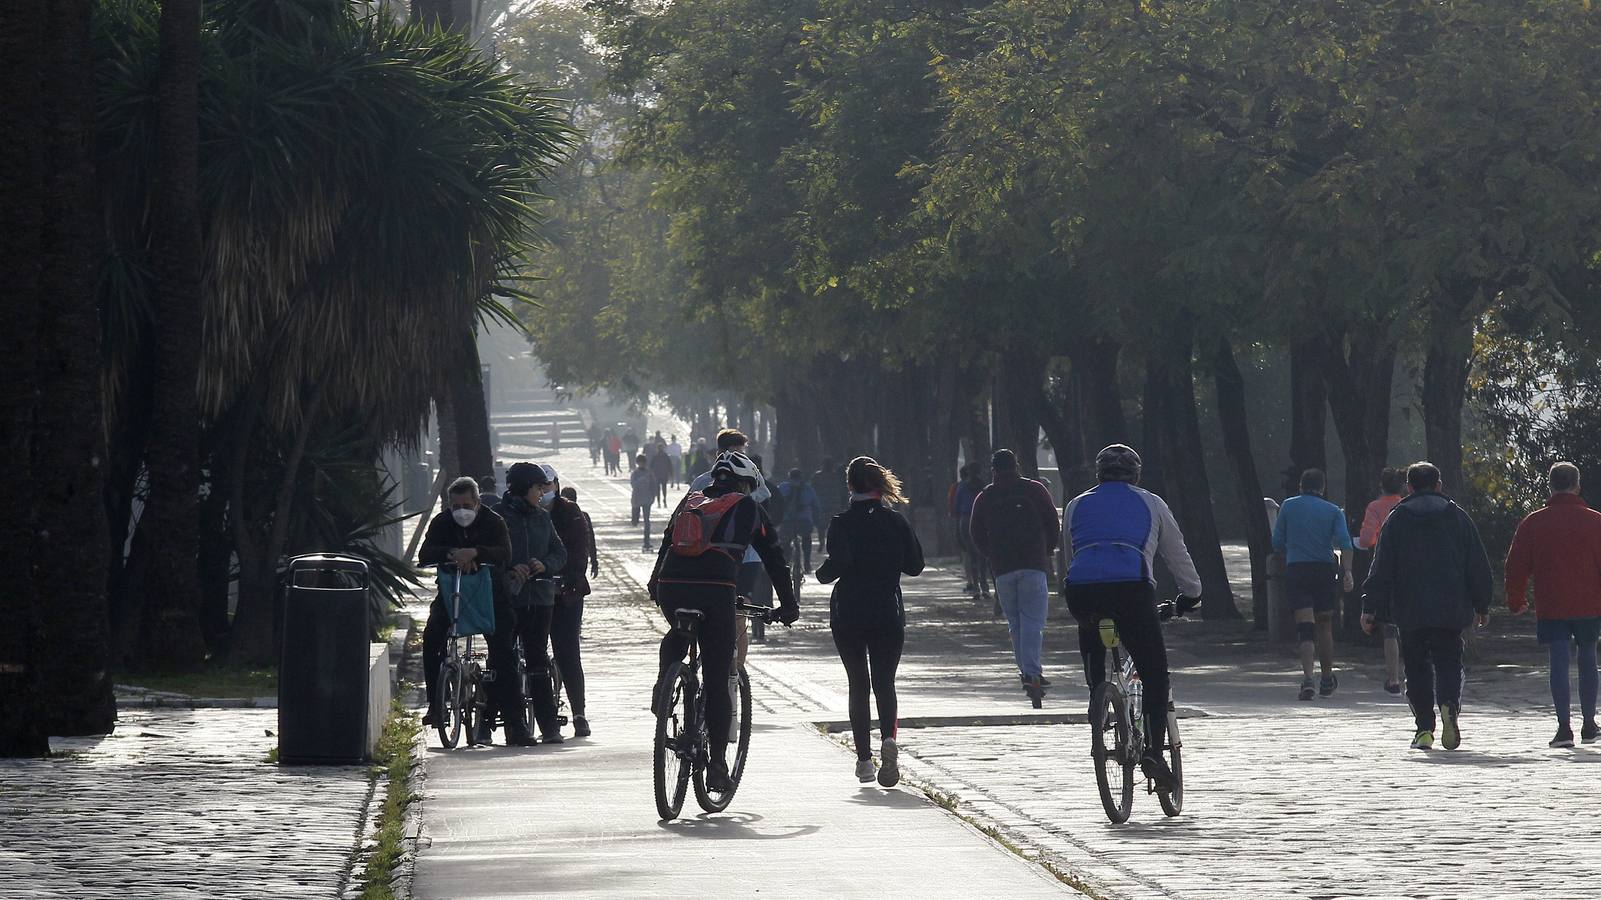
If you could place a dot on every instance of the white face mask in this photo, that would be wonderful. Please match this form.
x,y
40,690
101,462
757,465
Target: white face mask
x,y
464,517
546,499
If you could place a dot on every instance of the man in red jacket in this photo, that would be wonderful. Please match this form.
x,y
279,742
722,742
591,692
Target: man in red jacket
x,y
1559,546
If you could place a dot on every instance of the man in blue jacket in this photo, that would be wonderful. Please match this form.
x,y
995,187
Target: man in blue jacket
x,y
1307,533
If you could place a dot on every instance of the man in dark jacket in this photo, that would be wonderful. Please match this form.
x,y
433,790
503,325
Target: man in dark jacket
x,y
1014,525
567,622
537,554
468,534
1431,579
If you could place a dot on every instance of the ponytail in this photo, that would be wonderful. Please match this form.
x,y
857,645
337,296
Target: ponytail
x,y
865,475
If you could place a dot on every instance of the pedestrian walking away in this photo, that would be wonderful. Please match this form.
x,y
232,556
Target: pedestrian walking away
x,y
1307,532
661,469
1558,547
675,455
468,534
1391,482
567,616
571,493
696,569
973,564
1431,579
537,555
801,509
1014,526
642,494
870,546
1111,536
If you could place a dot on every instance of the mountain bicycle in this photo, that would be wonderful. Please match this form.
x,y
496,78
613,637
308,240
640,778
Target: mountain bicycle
x,y
1117,709
462,698
682,748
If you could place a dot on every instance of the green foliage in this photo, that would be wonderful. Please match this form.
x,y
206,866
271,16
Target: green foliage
x,y
393,764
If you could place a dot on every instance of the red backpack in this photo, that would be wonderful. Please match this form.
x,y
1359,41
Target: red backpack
x,y
697,520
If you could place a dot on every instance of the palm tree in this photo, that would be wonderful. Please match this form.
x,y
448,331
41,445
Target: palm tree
x,y
365,184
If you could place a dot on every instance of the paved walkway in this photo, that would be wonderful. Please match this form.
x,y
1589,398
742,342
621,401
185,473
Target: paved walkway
x,y
178,805
1285,799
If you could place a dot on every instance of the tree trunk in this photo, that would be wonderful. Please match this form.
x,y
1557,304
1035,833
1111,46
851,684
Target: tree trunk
x,y
1176,460
1308,411
472,415
171,637
1445,379
1099,394
1234,420
71,552
1020,390
23,170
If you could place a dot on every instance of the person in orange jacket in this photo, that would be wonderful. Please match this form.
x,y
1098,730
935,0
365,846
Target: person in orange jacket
x,y
1392,482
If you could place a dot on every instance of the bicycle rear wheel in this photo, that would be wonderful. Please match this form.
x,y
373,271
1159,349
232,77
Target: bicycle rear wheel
x,y
1173,803
1114,763
448,704
717,802
555,693
672,751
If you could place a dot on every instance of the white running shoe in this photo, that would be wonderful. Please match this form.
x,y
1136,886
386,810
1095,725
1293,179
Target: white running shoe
x,y
865,771
889,774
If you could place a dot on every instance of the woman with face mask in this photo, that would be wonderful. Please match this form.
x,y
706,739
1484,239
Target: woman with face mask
x,y
537,553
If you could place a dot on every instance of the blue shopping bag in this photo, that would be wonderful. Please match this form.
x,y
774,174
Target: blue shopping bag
x,y
477,614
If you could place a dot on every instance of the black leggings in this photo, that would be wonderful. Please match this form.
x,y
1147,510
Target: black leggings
x,y
870,648
1132,605
565,626
717,647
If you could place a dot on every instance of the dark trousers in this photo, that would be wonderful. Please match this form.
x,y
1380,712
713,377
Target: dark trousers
x,y
1132,605
803,530
717,634
1433,661
871,653
565,627
504,691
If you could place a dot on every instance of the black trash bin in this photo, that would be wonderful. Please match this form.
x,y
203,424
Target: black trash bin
x,y
322,670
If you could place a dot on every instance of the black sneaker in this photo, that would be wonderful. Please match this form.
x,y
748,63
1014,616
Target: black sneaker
x,y
1564,737
580,726
1590,733
1328,684
717,776
552,737
484,734
521,740
429,718
1155,768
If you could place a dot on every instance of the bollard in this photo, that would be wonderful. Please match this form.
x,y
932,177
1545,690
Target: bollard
x,y
1280,621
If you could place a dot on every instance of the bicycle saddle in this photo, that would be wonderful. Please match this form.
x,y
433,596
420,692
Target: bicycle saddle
x,y
688,614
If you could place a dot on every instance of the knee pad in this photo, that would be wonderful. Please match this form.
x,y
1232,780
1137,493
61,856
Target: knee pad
x,y
1305,632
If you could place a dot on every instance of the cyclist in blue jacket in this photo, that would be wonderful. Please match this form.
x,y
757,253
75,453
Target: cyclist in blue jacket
x,y
800,514
1112,534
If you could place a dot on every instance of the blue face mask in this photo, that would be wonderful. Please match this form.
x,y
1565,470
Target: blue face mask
x,y
546,499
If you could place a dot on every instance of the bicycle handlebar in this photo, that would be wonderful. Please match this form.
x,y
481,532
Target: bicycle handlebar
x,y
749,610
1177,607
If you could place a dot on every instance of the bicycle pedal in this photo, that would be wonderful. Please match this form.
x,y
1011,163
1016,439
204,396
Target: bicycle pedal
x,y
487,676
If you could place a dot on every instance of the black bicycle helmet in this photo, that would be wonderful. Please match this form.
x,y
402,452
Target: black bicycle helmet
x,y
1117,462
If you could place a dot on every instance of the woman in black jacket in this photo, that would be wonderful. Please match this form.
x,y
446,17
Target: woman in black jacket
x,y
869,546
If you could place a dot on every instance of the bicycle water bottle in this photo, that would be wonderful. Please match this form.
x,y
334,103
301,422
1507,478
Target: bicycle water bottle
x,y
1136,694
733,704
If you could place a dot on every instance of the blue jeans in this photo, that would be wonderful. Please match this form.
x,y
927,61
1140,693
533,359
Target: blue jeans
x,y
1025,597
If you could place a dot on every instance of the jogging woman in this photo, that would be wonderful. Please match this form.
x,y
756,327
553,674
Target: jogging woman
x,y
869,547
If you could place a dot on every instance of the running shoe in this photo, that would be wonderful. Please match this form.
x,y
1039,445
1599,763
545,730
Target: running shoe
x,y
484,734
1564,737
1308,689
1044,682
889,774
717,776
1424,740
1450,734
866,771
1328,684
1590,732
1393,687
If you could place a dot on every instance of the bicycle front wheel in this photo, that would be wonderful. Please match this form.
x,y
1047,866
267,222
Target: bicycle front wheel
x,y
673,750
448,704
1173,803
714,801
1111,747
472,705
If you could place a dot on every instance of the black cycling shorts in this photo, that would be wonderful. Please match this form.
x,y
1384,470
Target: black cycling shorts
x,y
1314,585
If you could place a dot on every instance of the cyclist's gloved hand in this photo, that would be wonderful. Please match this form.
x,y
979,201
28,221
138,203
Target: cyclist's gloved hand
x,y
788,612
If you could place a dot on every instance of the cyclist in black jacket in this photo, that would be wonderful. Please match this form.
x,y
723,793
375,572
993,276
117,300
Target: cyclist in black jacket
x,y
705,582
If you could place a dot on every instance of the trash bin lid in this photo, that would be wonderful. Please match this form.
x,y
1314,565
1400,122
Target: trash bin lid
x,y
348,568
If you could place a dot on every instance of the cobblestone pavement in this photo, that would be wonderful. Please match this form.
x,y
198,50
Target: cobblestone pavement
x,y
176,805
1284,799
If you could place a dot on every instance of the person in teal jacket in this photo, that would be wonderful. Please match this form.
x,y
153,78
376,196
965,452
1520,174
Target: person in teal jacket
x,y
537,554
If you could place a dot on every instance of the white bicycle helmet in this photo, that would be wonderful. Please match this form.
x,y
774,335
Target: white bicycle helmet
x,y
737,465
